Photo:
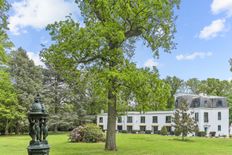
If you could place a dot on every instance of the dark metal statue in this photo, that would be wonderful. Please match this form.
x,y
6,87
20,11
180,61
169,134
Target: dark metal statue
x,y
38,130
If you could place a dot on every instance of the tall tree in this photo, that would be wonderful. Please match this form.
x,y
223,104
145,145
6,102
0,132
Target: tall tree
x,y
183,121
9,108
111,29
194,85
4,40
175,84
27,79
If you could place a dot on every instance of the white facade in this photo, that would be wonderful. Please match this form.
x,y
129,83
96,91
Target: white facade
x,y
209,115
163,118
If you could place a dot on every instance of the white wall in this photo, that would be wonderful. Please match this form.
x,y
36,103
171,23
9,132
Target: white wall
x,y
212,125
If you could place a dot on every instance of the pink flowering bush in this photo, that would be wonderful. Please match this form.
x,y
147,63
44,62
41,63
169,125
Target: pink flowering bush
x,y
89,133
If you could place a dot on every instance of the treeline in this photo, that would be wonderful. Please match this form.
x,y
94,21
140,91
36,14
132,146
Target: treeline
x,y
21,80
69,101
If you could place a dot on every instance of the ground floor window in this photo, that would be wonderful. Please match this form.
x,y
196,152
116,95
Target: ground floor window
x,y
129,128
142,128
155,129
119,128
219,128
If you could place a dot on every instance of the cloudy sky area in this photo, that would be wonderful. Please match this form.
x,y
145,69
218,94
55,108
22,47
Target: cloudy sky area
x,y
204,35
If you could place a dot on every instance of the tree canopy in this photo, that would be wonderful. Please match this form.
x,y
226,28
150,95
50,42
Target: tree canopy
x,y
107,40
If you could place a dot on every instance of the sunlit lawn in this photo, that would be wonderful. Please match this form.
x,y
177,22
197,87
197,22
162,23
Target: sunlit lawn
x,y
128,144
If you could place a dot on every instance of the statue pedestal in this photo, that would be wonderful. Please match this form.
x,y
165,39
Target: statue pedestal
x,y
38,149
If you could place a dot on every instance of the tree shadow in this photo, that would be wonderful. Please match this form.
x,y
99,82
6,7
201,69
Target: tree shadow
x,y
184,141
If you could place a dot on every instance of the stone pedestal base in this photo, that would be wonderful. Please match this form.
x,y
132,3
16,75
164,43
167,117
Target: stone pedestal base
x,y
41,149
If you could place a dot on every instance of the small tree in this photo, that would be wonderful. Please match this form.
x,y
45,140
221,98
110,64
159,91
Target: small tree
x,y
164,131
183,122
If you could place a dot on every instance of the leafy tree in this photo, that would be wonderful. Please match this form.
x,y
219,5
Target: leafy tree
x,y
26,76
4,40
175,84
183,122
213,86
194,85
107,41
27,80
9,108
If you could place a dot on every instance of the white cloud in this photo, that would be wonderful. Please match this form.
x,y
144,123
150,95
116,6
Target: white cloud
x,y
150,63
213,30
35,57
39,13
219,6
193,56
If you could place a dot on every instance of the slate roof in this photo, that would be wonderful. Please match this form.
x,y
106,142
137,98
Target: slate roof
x,y
198,101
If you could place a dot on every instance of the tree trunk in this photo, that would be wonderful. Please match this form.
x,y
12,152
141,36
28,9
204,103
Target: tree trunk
x,y
7,128
111,124
55,128
182,136
17,128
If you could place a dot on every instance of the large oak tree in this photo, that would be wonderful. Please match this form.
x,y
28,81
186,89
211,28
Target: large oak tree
x,y
107,40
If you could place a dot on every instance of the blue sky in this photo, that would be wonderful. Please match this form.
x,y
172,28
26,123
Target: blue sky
x,y
204,36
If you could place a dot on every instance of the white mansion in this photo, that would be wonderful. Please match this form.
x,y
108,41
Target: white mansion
x,y
210,112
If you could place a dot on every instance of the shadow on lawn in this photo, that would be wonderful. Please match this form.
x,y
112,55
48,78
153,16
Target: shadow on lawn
x,y
184,141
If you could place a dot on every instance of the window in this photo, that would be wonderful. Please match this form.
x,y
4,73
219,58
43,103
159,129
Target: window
x,y
196,116
219,103
129,119
219,128
129,128
219,115
142,119
100,119
155,119
119,119
119,128
142,128
168,119
155,129
206,118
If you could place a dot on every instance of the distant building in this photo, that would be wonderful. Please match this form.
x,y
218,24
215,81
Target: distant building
x,y
210,112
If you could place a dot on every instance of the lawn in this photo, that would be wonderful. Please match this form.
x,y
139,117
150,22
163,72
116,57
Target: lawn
x,y
128,144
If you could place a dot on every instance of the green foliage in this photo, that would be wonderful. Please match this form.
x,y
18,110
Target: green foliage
x,y
4,39
27,82
106,43
175,84
26,76
177,132
164,131
89,133
183,122
201,133
9,108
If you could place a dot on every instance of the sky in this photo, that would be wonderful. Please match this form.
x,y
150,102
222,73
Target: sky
x,y
203,37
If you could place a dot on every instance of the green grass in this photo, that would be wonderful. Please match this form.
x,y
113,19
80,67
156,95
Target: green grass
x,y
128,144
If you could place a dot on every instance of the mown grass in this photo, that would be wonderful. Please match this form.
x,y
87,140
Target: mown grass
x,y
128,144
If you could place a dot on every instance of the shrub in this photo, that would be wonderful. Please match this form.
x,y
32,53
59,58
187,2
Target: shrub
x,y
87,133
124,131
177,132
148,131
164,131
135,131
212,133
201,133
